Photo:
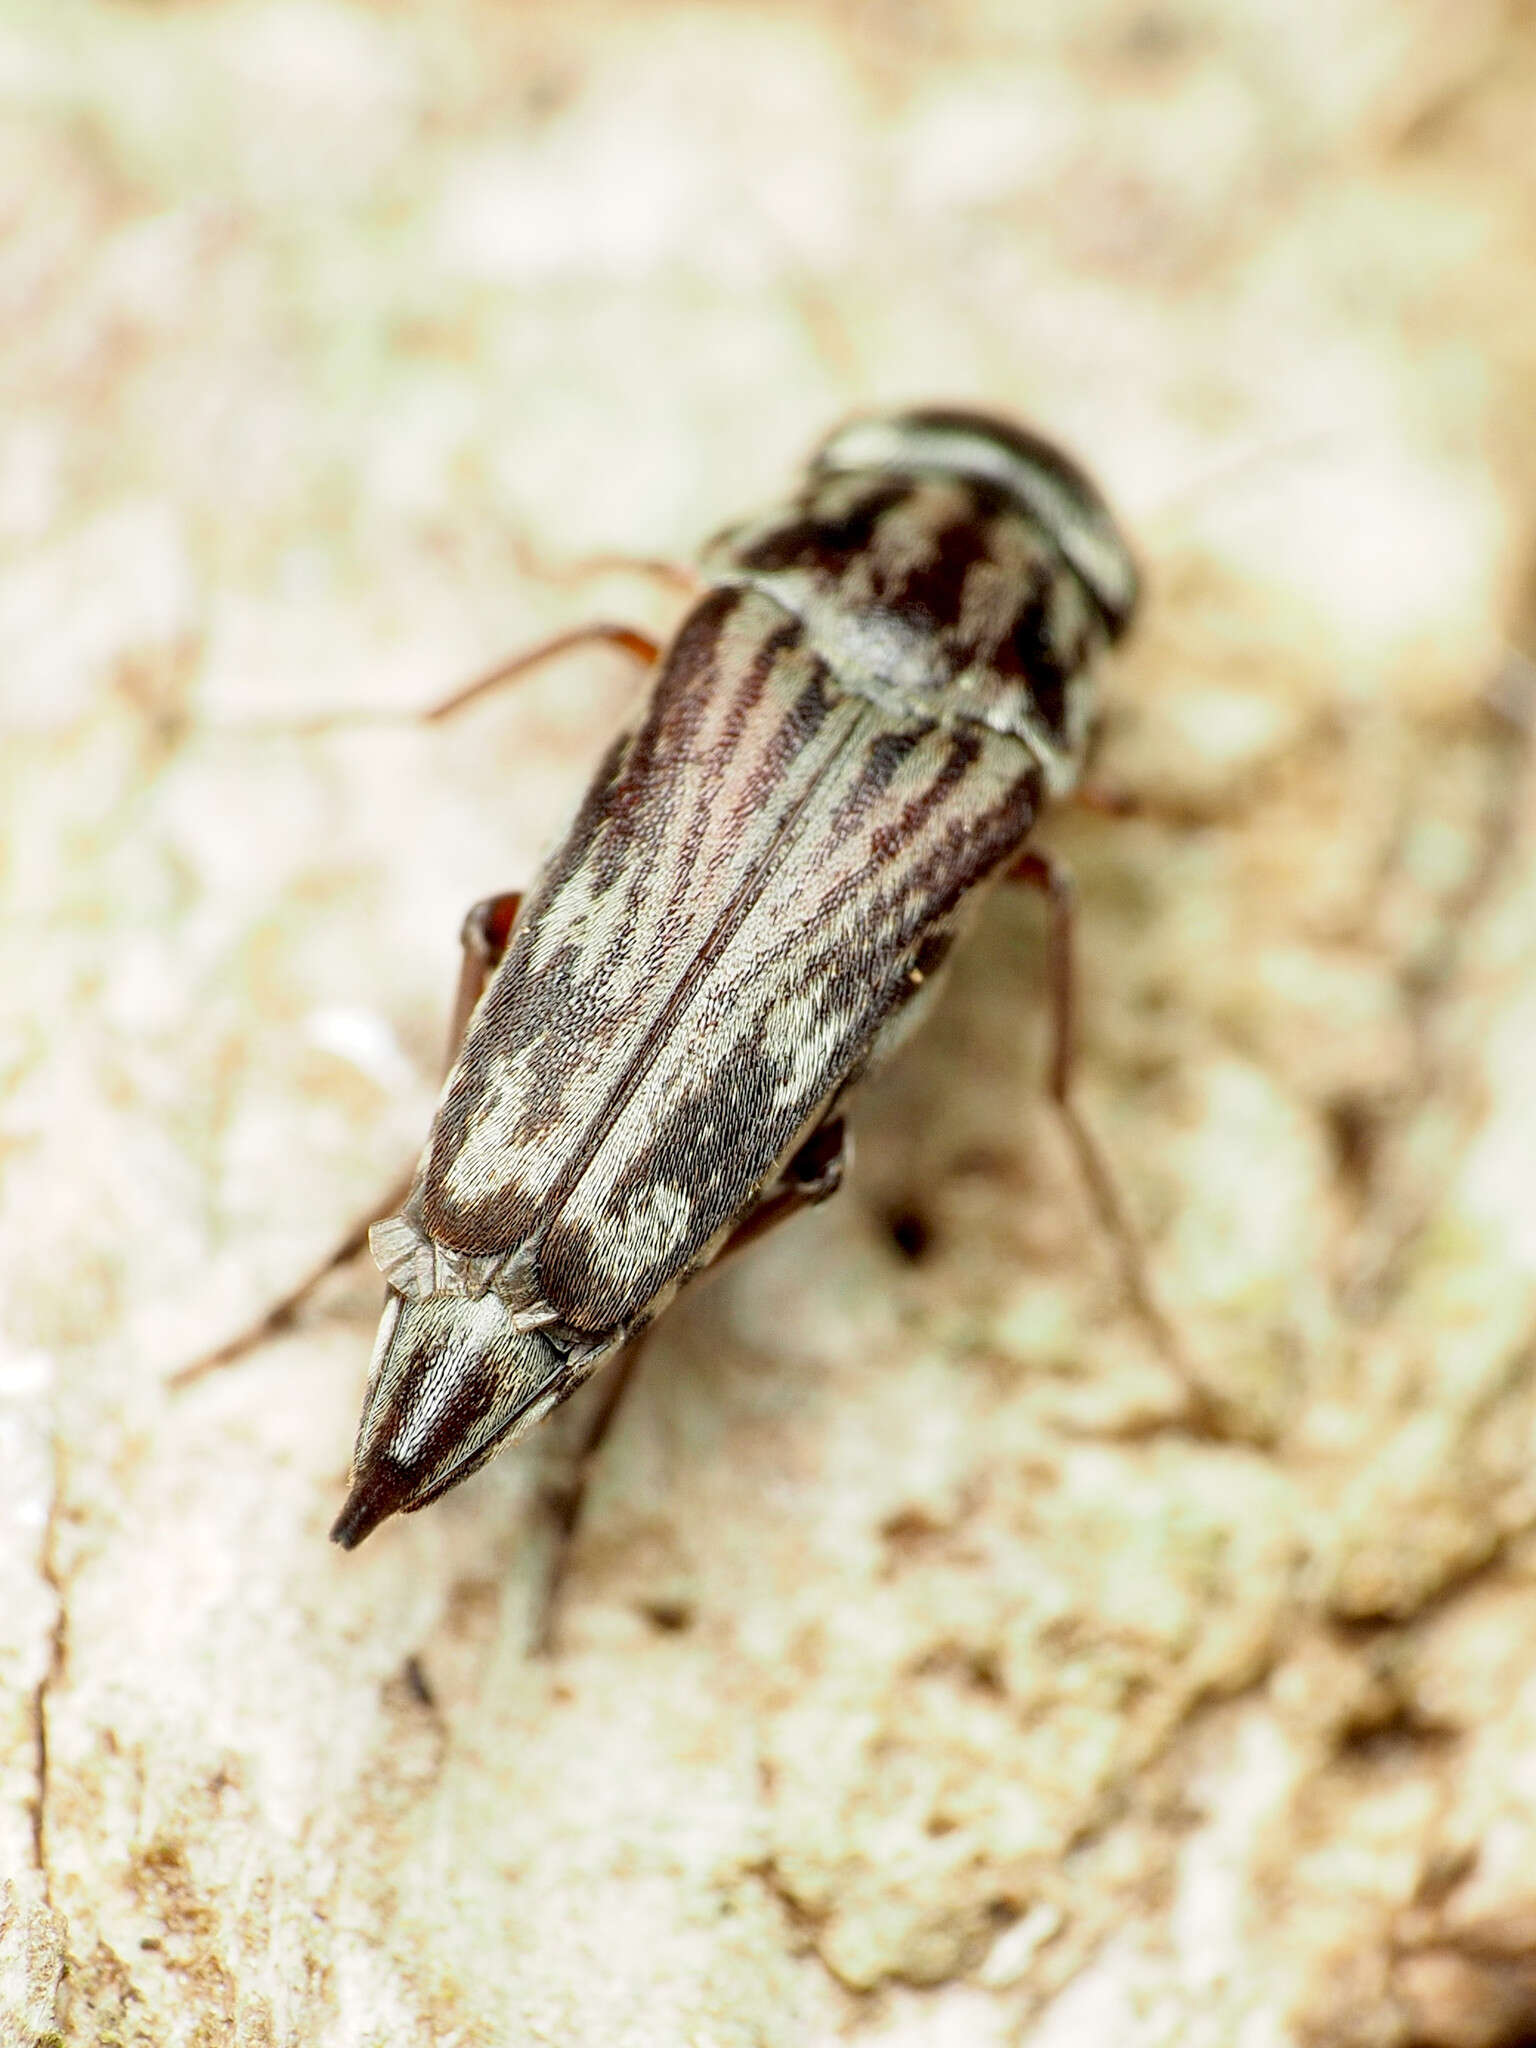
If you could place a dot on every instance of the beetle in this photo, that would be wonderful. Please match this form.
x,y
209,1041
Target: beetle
x,y
850,736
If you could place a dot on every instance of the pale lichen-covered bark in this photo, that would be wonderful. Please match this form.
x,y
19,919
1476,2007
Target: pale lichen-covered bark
x,y
923,1678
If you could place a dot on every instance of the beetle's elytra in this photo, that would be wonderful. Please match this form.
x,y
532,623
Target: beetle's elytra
x,y
852,732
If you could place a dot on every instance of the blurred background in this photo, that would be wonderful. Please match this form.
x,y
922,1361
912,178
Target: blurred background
x,y
923,1679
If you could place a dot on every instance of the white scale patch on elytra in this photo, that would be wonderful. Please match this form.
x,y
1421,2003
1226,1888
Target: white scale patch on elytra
x,y
403,1254
800,1034
496,1145
645,1228
581,920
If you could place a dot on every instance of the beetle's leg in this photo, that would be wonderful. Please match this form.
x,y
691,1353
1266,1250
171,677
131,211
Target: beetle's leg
x,y
283,1311
1106,800
1039,871
600,632
1114,800
813,1175
484,938
563,1494
816,1172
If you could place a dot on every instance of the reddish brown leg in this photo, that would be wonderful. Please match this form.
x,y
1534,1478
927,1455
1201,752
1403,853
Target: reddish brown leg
x,y
283,1311
1038,870
484,938
600,632
563,1494
1113,800
1106,800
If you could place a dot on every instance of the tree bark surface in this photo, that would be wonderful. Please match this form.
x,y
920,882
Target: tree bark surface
x,y
924,1676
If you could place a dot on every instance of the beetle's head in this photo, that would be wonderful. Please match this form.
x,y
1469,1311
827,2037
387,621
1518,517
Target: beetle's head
x,y
1034,472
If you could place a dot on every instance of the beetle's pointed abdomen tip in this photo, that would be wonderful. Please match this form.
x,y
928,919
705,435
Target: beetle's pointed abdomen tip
x,y
379,1489
453,1378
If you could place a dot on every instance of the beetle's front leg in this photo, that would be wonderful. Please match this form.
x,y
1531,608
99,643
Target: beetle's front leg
x,y
1038,870
682,577
599,632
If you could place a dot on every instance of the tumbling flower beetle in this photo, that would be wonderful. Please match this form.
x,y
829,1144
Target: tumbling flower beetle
x,y
851,734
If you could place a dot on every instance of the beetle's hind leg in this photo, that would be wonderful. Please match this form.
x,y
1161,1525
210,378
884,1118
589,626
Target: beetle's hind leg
x,y
563,1490
1038,870
484,938
282,1312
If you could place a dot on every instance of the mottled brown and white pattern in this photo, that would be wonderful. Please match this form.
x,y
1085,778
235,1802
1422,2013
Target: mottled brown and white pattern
x,y
851,733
